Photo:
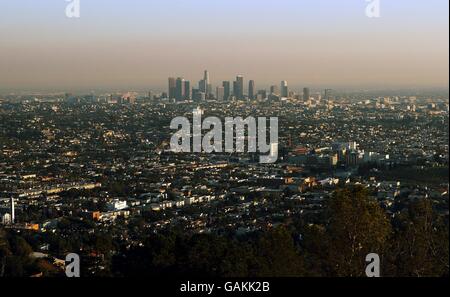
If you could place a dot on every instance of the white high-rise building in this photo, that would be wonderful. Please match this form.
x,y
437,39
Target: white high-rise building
x,y
208,87
13,215
206,77
284,89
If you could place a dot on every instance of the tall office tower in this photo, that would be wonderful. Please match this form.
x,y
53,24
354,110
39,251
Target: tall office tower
x,y
274,90
204,85
13,214
220,93
306,94
284,89
251,89
235,89
206,78
201,86
239,87
172,87
327,95
180,91
227,90
187,90
209,90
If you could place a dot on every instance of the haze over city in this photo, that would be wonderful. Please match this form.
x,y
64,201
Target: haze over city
x,y
138,44
215,147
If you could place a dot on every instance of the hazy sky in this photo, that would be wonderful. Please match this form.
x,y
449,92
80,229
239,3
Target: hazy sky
x,y
139,43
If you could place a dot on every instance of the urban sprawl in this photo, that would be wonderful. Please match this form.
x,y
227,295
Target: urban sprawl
x,y
102,164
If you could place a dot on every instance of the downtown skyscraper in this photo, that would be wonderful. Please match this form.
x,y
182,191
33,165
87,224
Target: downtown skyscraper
x,y
251,89
284,89
238,87
220,93
205,84
306,94
226,90
180,89
172,87
187,90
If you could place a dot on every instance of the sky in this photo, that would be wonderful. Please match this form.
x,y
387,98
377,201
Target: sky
x,y
137,44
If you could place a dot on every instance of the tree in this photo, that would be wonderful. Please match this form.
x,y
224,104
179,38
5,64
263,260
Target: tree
x,y
277,256
4,252
356,227
421,246
20,247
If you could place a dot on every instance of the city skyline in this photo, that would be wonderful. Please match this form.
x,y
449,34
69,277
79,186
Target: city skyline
x,y
180,89
315,43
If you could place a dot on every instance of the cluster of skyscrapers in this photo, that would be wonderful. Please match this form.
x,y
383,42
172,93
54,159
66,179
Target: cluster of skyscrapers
x,y
181,90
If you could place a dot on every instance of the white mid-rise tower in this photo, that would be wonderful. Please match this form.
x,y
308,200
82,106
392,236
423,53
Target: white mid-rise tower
x,y
13,216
